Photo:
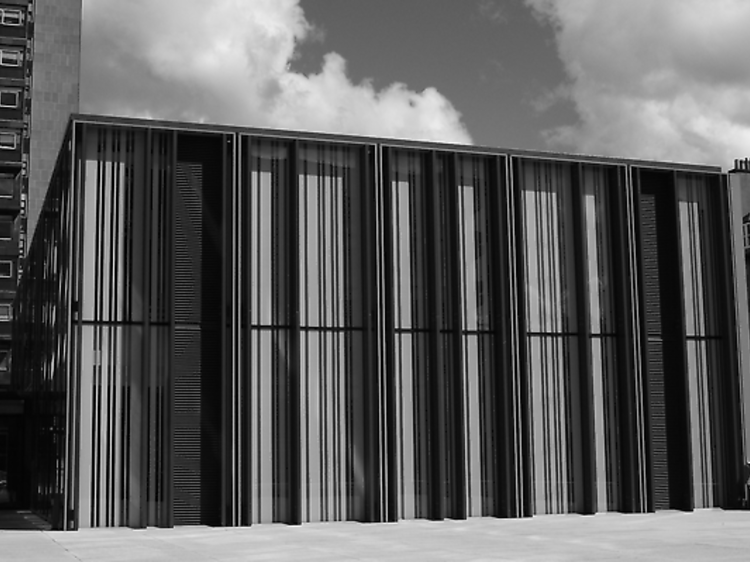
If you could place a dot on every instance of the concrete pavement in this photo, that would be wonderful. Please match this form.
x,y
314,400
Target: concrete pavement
x,y
713,535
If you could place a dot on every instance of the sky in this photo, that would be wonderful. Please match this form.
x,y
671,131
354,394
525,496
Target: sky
x,y
653,79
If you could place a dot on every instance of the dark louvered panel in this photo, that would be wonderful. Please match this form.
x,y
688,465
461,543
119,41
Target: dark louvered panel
x,y
187,427
657,397
197,428
197,314
656,382
198,230
667,392
650,255
188,242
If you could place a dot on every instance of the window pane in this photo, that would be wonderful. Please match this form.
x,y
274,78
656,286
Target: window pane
x,y
7,185
548,245
6,269
409,230
12,17
8,98
11,58
8,141
6,229
596,193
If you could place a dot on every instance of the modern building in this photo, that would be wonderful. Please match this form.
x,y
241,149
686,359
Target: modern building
x,y
39,71
227,326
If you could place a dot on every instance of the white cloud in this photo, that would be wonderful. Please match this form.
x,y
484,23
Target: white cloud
x,y
493,11
658,79
228,61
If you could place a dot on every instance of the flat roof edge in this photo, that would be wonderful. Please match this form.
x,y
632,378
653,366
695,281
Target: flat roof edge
x,y
188,126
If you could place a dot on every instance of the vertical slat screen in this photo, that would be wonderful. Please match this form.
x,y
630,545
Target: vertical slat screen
x,y
597,205
481,366
309,331
198,375
666,352
552,327
658,416
111,345
331,324
158,363
268,196
409,283
700,269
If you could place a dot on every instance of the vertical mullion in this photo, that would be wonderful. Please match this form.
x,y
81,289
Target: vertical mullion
x,y
682,349
75,265
238,304
629,500
452,299
226,370
169,384
293,397
145,374
505,492
367,205
96,493
642,330
243,165
516,204
729,387
389,335
113,415
585,387
435,366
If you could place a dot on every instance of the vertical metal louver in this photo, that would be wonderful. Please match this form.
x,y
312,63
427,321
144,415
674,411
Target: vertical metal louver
x,y
657,399
197,339
667,384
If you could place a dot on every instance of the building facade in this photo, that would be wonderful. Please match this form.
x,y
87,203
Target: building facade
x,y
229,326
55,91
39,53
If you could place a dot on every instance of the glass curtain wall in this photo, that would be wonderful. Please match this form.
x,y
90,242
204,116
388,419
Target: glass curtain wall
x,y
304,219
697,205
124,181
41,360
270,363
386,332
479,292
572,365
330,254
552,326
446,281
411,326
598,202
110,342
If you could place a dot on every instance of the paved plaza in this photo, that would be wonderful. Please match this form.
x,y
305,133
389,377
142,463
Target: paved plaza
x,y
712,535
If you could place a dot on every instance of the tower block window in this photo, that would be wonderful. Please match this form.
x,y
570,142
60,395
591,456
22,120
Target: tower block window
x,y
9,98
8,140
11,17
11,57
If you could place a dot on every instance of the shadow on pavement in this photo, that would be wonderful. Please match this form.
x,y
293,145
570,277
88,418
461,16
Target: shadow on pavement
x,y
21,520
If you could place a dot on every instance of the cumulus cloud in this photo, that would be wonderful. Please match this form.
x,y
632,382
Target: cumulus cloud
x,y
666,79
228,61
493,11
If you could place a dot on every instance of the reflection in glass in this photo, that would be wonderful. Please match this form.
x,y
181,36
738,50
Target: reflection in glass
x,y
331,321
479,371
552,324
597,196
700,268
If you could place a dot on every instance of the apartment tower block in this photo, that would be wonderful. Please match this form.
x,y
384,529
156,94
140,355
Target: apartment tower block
x,y
39,76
